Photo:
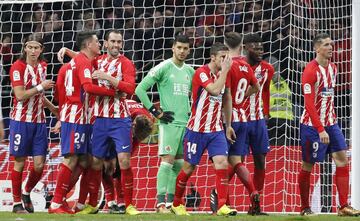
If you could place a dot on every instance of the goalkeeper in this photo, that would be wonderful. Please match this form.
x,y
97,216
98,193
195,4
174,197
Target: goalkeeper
x,y
173,79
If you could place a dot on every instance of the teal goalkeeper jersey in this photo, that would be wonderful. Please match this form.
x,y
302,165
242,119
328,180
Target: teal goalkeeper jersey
x,y
174,86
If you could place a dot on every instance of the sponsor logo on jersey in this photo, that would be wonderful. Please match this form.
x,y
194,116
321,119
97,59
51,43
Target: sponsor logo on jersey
x,y
168,148
327,92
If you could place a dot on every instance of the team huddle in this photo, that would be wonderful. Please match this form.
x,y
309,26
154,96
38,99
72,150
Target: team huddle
x,y
227,116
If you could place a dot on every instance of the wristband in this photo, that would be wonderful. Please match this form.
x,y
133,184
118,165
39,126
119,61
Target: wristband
x,y
39,88
154,111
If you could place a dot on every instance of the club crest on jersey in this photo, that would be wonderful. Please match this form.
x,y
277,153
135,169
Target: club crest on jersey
x,y
307,89
168,148
203,77
16,75
243,68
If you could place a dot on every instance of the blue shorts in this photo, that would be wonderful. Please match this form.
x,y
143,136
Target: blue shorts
x,y
89,135
111,153
28,139
257,137
74,138
313,150
119,130
239,148
195,144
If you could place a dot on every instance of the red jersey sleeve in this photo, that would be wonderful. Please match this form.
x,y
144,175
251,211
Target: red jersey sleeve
x,y
266,89
60,87
308,81
17,73
127,84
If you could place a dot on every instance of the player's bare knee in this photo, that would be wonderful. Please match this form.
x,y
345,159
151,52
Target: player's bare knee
x,y
168,159
39,166
340,158
97,163
70,161
259,161
19,164
220,162
307,166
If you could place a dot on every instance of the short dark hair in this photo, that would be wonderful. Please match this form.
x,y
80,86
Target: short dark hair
x,y
111,31
319,37
252,38
216,47
143,127
33,37
182,39
83,37
232,39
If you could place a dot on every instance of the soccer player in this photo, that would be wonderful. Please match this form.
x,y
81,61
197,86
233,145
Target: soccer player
x,y
141,129
241,83
74,116
173,78
256,109
113,121
205,129
28,135
320,134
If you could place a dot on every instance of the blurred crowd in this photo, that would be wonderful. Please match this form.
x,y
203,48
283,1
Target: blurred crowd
x,y
286,27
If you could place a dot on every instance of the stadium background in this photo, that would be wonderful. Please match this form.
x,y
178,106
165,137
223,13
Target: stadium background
x,y
286,27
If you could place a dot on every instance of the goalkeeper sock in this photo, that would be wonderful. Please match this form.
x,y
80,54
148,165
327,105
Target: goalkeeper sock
x,y
83,187
243,173
342,185
62,184
94,185
180,186
222,186
163,176
16,179
108,184
127,185
33,179
259,177
172,179
304,186
75,176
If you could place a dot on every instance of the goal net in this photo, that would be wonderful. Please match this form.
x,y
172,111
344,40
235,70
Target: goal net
x,y
286,27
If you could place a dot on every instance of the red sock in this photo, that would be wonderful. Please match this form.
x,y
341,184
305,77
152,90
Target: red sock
x,y
222,186
119,191
75,176
94,181
342,184
108,184
33,179
231,173
127,185
243,173
180,186
304,186
16,180
259,177
62,183
84,190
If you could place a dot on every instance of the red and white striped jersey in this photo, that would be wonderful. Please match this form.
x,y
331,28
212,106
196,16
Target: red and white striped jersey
x,y
239,78
122,69
257,104
76,104
318,85
30,110
137,109
205,109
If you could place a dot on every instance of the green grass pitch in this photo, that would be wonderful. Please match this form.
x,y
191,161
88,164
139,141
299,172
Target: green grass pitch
x,y
7,216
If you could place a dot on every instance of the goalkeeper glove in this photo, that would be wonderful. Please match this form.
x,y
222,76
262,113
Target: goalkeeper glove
x,y
164,116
